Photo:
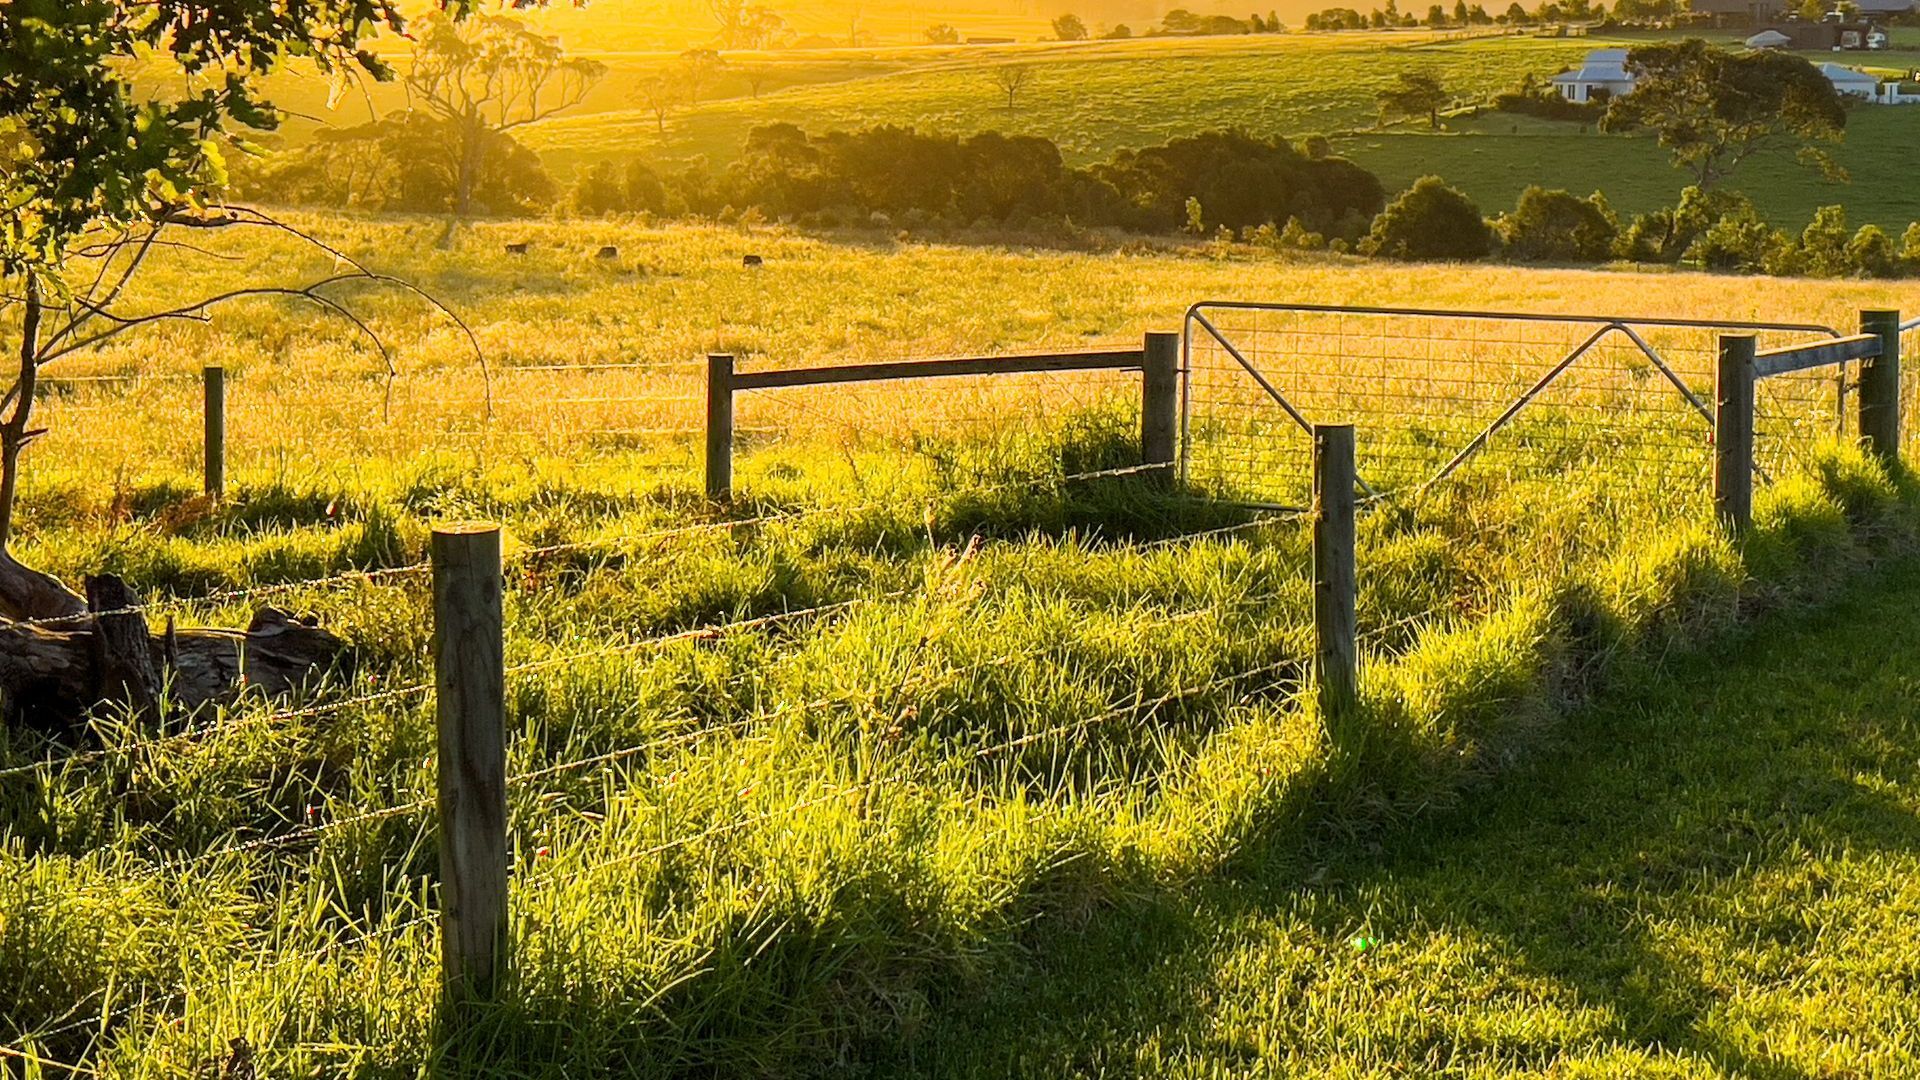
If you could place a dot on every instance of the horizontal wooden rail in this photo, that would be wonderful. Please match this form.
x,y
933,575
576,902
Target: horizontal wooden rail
x,y
1818,354
1112,360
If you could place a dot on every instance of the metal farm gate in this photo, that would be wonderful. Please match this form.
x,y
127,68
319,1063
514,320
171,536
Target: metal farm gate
x,y
1479,397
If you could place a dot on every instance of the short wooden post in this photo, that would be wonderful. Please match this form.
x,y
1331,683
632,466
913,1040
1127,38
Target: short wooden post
x,y
1336,652
1160,403
1733,432
1880,387
470,681
213,380
719,426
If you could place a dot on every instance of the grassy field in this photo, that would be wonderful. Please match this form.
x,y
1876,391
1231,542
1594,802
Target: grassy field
x,y
1095,98
1091,98
1711,875
799,781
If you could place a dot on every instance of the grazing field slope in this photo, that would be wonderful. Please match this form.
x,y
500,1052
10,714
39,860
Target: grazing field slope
x,y
1713,876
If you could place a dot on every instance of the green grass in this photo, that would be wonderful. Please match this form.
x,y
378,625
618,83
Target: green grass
x,y
1098,98
1710,875
1091,99
1494,157
776,847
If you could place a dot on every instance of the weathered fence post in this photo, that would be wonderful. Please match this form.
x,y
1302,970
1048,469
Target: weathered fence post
x,y
719,426
1336,653
1880,387
470,682
1733,432
1160,403
213,380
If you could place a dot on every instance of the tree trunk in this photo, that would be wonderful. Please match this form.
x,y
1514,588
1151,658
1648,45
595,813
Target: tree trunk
x,y
13,432
50,677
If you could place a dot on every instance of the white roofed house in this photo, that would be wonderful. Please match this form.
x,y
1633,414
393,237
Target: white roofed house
x,y
1603,74
1852,82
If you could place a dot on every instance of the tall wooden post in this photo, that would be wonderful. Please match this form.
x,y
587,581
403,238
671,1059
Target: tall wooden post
x,y
470,681
1733,432
1336,652
1160,403
1880,387
213,380
719,426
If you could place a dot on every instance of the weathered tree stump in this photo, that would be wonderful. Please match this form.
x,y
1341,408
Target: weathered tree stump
x,y
58,666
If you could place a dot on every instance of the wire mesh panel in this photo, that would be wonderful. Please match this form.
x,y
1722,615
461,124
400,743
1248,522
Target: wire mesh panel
x,y
1474,397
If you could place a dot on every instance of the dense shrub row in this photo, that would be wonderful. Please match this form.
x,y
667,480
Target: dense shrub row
x,y
897,174
1263,190
879,174
1708,230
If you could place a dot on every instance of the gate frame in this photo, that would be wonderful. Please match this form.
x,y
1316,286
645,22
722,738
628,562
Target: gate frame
x,y
1604,324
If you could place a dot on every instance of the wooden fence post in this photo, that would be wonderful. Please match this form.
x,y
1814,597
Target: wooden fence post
x,y
1733,432
1336,652
470,684
1880,387
1160,403
213,380
719,426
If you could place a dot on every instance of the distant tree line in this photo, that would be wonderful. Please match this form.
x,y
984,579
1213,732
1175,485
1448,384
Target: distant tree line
x,y
1461,15
1706,230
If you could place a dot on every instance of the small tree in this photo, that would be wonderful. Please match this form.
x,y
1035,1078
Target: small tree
x,y
1555,226
107,165
661,95
756,75
1011,79
485,77
1910,247
746,25
1823,244
1740,242
697,69
1871,253
1411,94
1430,221
942,34
1069,28
1712,109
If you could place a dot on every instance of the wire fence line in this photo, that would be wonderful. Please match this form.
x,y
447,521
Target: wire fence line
x,y
521,555
268,718
1541,452
1137,708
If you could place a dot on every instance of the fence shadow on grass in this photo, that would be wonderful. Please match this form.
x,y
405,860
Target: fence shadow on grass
x,y
1609,882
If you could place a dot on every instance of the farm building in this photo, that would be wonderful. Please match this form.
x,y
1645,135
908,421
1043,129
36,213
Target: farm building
x,y
1603,73
1852,82
1827,35
1740,12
